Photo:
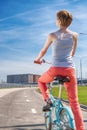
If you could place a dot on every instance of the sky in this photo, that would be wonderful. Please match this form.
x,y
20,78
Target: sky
x,y
24,27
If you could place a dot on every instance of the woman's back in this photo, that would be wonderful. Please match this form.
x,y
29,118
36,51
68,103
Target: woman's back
x,y
61,49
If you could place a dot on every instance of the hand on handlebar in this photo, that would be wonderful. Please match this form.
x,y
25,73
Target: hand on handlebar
x,y
37,61
41,61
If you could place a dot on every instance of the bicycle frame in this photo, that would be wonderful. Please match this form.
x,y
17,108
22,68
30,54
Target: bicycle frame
x,y
57,108
60,111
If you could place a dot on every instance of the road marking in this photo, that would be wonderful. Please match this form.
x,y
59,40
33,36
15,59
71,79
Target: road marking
x,y
33,110
27,100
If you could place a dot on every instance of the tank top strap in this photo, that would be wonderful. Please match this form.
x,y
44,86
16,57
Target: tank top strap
x,y
61,35
57,34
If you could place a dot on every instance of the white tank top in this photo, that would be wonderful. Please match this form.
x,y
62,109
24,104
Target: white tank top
x,y
61,50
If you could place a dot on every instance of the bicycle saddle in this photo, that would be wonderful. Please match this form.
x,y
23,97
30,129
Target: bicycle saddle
x,y
62,78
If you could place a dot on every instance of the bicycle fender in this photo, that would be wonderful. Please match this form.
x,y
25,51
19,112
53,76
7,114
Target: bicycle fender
x,y
69,111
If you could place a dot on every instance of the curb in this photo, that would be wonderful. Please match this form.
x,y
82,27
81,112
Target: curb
x,y
84,107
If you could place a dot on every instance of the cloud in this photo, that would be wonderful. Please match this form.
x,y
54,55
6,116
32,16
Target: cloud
x,y
22,35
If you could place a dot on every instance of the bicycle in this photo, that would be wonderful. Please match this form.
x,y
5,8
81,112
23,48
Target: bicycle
x,y
59,117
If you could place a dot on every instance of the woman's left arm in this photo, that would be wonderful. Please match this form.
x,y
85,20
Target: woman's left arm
x,y
45,48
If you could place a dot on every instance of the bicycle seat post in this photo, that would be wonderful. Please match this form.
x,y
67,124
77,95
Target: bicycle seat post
x,y
60,90
61,80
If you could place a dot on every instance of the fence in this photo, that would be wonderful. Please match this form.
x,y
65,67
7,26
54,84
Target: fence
x,y
14,85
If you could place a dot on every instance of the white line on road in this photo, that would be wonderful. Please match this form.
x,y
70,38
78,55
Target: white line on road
x,y
25,96
33,110
27,100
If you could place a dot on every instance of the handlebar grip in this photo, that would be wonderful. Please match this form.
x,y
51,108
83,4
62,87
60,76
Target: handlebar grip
x,y
37,62
43,61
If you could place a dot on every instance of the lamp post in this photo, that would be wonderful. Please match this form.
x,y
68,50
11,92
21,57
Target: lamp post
x,y
83,33
81,70
81,66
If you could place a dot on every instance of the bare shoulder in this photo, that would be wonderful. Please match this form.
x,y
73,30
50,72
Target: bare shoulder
x,y
52,36
75,35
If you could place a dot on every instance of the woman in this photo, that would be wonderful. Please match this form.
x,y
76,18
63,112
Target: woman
x,y
64,43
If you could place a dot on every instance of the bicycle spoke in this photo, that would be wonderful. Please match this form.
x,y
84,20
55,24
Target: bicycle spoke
x,y
65,120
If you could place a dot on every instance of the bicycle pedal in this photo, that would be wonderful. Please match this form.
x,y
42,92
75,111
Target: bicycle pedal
x,y
47,107
47,110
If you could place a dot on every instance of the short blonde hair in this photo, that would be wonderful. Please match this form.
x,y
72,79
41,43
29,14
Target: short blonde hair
x,y
64,17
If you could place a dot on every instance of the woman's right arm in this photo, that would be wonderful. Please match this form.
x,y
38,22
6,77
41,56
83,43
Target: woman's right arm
x,y
75,38
43,51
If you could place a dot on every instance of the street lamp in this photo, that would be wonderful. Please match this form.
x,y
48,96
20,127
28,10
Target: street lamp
x,y
83,33
81,68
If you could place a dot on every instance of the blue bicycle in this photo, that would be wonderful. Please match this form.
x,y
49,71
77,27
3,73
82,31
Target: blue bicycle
x,y
59,117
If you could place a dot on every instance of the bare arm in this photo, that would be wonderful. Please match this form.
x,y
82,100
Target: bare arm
x,y
45,48
75,37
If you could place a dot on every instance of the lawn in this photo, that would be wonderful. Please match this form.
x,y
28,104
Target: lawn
x,y
82,94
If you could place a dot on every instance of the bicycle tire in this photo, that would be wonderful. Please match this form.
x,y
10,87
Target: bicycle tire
x,y
66,120
50,120
47,121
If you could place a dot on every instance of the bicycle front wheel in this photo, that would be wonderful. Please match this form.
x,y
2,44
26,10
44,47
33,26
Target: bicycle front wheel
x,y
66,120
50,120
47,121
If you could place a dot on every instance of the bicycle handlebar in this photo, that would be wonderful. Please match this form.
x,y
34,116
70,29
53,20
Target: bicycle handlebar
x,y
42,61
37,62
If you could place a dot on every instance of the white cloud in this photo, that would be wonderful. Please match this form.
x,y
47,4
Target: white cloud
x,y
39,23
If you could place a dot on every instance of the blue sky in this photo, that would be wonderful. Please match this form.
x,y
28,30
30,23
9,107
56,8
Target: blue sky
x,y
24,27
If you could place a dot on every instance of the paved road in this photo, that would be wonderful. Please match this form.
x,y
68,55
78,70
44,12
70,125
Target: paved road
x,y
22,110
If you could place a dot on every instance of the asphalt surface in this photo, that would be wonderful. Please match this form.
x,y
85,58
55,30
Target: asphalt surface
x,y
21,109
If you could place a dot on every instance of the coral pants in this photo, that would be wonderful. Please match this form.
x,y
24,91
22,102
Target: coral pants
x,y
71,88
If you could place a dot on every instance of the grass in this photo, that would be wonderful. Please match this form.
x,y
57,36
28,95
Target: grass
x,y
82,94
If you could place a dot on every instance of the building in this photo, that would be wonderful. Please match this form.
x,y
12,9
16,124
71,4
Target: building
x,y
82,81
23,78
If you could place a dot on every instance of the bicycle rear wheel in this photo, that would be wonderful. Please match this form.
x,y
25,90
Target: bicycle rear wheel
x,y
66,120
